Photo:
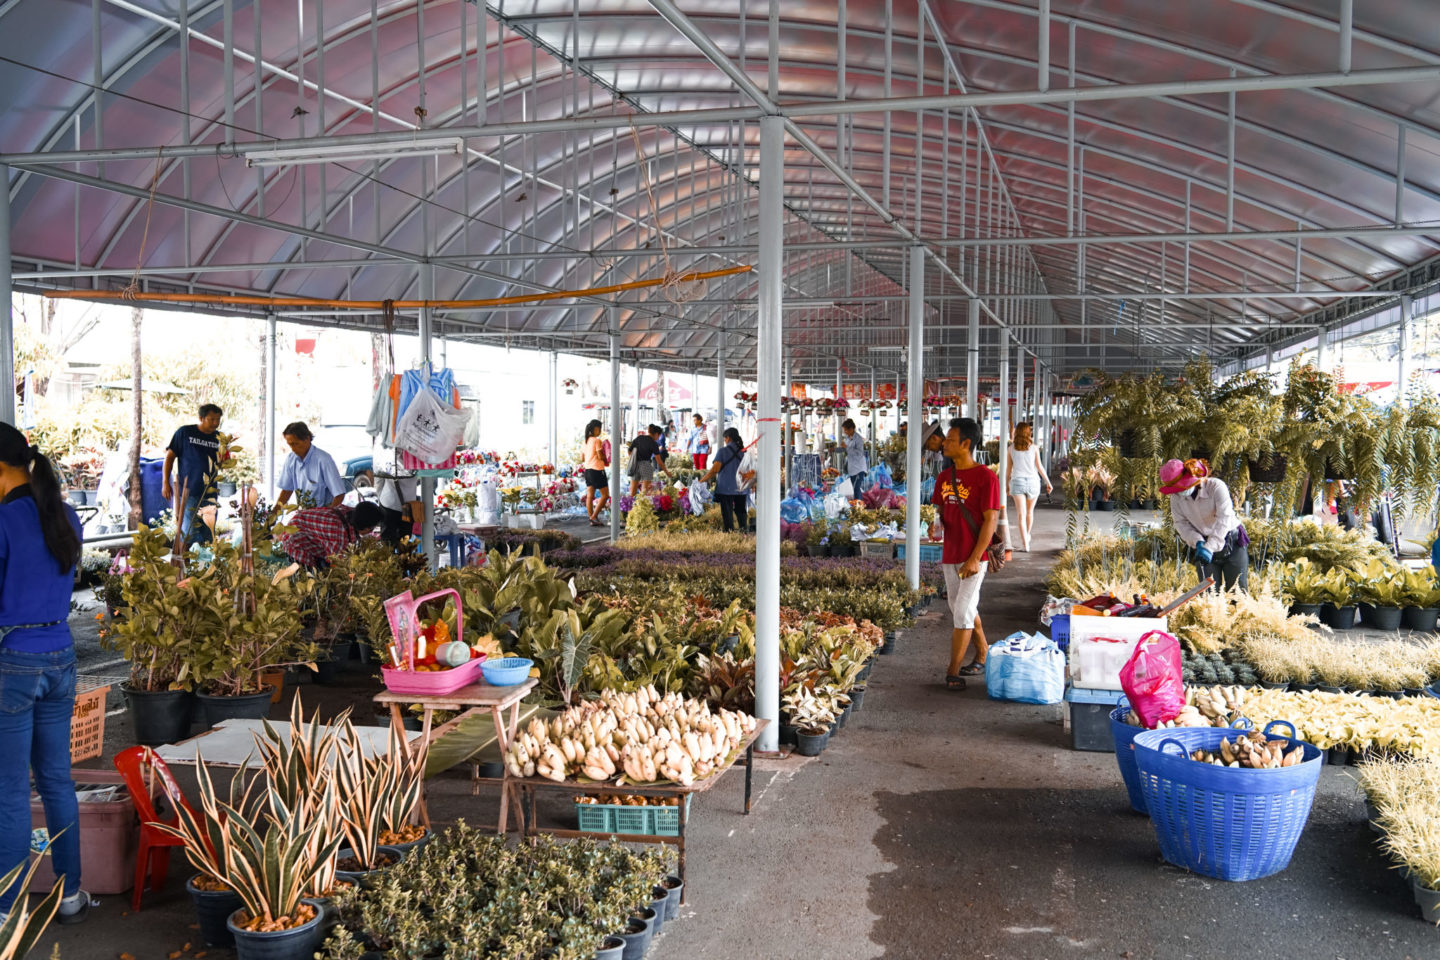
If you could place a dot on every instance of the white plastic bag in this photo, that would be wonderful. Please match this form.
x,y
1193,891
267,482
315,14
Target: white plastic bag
x,y
845,489
487,509
429,429
835,506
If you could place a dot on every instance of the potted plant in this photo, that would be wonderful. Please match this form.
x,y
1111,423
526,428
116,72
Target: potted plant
x,y
1380,591
164,611
368,805
840,543
1304,586
254,627
1338,609
812,715
203,835
1421,600
1100,480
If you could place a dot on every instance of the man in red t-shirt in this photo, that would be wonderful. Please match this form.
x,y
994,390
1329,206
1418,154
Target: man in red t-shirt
x,y
967,498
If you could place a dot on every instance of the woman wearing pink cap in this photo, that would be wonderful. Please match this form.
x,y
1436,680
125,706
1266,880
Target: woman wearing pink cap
x,y
1204,517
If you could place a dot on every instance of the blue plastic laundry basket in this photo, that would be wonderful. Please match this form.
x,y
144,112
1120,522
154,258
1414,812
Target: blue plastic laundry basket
x,y
1230,823
1124,736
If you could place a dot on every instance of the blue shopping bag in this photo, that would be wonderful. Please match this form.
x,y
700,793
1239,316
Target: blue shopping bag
x,y
1025,668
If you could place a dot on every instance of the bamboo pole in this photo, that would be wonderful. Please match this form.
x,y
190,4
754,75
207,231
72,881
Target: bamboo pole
x,y
253,301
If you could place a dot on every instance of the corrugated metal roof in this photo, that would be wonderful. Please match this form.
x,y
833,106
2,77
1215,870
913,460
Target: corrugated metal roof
x,y
1304,159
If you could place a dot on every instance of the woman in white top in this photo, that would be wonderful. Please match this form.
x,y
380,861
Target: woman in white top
x,y
1204,517
1026,474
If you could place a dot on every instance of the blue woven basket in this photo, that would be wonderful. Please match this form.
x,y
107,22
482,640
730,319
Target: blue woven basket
x,y
1225,822
1124,736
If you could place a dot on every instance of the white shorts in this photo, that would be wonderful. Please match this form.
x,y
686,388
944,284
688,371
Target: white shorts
x,y
963,595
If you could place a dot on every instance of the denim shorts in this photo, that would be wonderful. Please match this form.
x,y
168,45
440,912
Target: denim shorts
x,y
1025,487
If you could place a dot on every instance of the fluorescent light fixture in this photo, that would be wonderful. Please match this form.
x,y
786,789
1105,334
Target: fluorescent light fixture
x,y
347,152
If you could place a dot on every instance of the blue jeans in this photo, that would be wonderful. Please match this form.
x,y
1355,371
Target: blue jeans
x,y
37,697
191,525
857,481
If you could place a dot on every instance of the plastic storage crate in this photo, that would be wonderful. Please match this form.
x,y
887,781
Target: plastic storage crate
x,y
613,818
929,552
877,549
1088,719
109,837
87,723
1060,630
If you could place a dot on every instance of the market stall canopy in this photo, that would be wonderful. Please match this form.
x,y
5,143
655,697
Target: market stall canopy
x,y
1213,197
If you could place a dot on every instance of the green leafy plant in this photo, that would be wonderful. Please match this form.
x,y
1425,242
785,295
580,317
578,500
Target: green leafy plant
x,y
23,926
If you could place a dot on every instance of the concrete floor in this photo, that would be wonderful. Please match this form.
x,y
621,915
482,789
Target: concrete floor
x,y
940,825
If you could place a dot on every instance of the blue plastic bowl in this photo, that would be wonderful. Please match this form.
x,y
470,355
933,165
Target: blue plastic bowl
x,y
506,671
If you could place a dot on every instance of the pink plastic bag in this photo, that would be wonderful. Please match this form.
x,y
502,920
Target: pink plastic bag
x,y
1153,679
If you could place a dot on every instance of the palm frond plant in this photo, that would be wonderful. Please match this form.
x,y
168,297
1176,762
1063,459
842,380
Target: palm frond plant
x,y
23,926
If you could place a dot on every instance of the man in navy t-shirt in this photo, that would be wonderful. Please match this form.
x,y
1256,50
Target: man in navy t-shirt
x,y
197,447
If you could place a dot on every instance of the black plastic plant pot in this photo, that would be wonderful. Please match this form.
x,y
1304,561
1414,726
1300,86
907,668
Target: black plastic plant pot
x,y
1270,468
637,936
1274,686
658,898
1338,618
299,943
1422,619
247,706
1385,618
1305,610
809,744
675,890
213,909
857,697
362,876
415,846
611,948
1337,756
787,733
159,717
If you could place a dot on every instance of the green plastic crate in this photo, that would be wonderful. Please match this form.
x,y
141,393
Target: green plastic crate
x,y
611,818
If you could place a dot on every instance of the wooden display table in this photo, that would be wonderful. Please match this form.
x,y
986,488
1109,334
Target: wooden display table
x,y
530,786
476,697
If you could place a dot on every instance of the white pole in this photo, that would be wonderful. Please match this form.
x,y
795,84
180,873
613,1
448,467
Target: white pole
x,y
639,418
7,324
1402,354
1004,443
554,408
1321,345
272,434
1019,383
616,424
789,439
427,484
719,394
972,364
916,431
769,347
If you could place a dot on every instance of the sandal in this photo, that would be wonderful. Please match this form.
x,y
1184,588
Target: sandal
x,y
973,670
953,682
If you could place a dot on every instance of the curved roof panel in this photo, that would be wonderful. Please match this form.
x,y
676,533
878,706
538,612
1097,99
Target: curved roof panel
x,y
537,209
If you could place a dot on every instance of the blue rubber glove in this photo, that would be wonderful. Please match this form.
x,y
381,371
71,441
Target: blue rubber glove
x,y
1202,552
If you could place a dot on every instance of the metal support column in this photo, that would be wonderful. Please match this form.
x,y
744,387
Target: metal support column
x,y
769,346
719,395
972,363
639,380
839,391
1004,445
1321,347
788,440
427,484
616,424
916,387
554,408
1019,384
272,434
1402,354
7,322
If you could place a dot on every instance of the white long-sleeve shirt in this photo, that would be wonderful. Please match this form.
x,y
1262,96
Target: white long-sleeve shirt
x,y
1204,512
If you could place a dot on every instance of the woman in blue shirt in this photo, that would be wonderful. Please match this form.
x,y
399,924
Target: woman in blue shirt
x,y
39,547
727,489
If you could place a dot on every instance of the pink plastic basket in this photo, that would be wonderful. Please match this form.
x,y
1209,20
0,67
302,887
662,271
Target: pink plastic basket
x,y
404,613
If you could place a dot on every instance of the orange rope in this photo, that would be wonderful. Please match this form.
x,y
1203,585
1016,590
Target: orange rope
x,y
238,300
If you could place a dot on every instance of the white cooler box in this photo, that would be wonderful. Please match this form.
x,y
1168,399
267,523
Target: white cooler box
x,y
1100,646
